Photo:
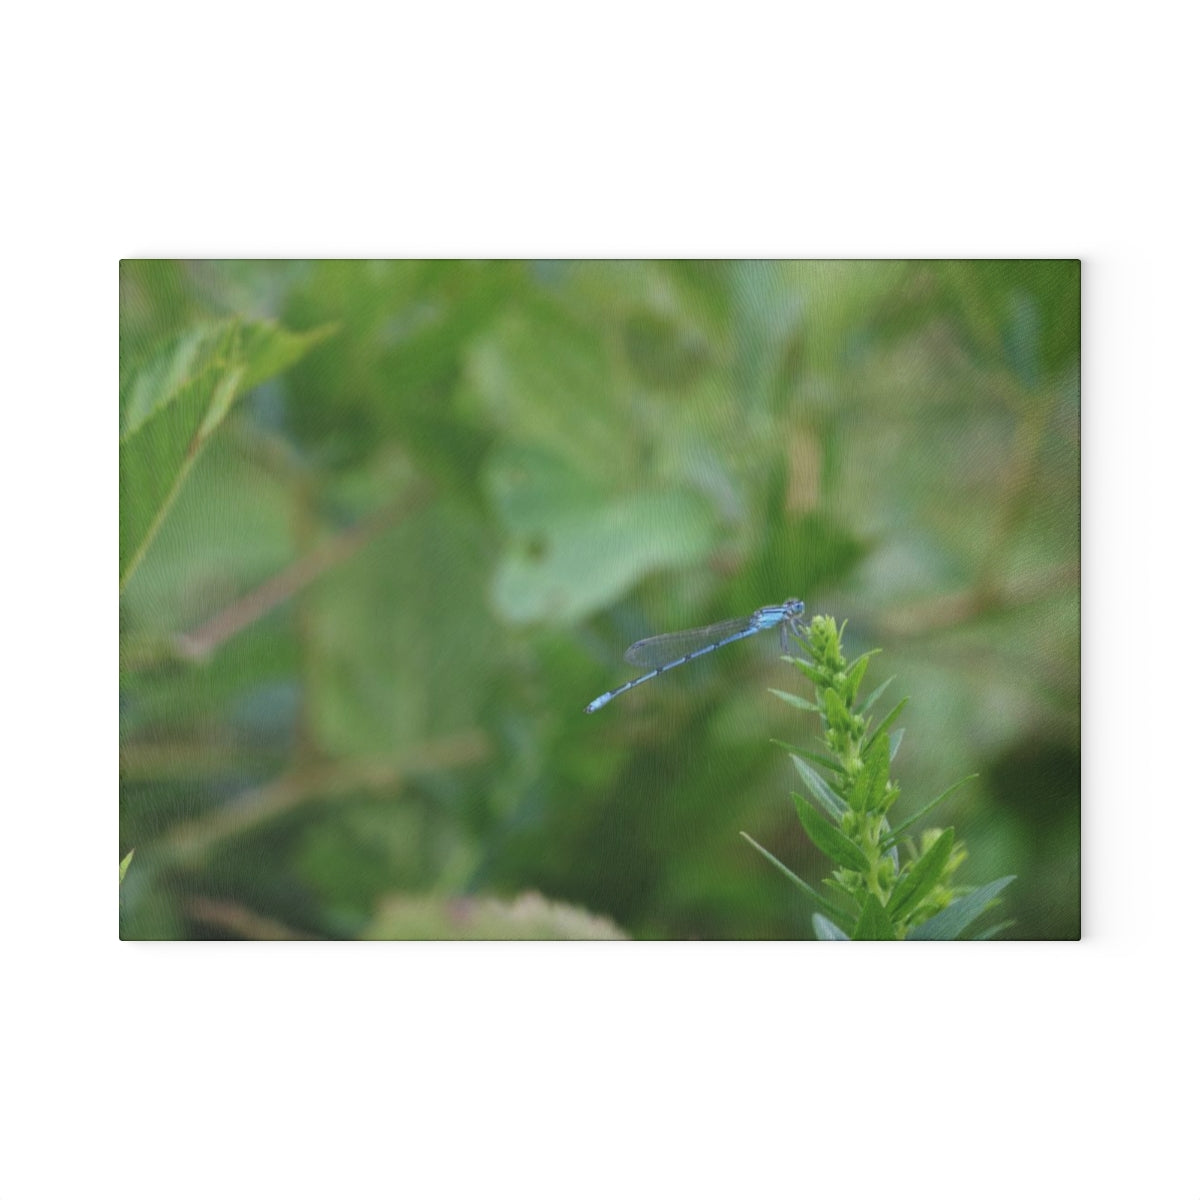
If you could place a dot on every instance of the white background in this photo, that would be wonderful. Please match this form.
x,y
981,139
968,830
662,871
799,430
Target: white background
x,y
917,130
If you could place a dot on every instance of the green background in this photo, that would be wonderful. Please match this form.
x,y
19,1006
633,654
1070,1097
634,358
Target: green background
x,y
387,527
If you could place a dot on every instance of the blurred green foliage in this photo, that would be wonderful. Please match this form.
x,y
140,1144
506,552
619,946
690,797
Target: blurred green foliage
x,y
386,528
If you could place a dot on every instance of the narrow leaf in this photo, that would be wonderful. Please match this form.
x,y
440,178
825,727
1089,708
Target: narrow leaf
x,y
810,892
836,712
829,839
125,866
829,800
795,701
806,668
894,740
818,760
894,836
842,892
867,793
856,670
886,724
921,877
865,707
827,931
873,925
954,918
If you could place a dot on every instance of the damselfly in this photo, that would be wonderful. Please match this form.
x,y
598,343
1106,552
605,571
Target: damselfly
x,y
668,650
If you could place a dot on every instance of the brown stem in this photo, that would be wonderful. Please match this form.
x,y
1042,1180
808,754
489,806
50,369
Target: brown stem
x,y
330,782
202,641
945,612
224,914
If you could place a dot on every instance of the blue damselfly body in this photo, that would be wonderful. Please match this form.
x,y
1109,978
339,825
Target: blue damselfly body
x,y
668,650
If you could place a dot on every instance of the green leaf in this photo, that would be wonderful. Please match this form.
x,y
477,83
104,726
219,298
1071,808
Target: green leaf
x,y
836,712
810,892
894,836
125,866
856,671
163,406
955,917
865,707
151,379
827,931
795,701
827,838
811,673
828,799
269,349
819,760
894,740
866,794
571,549
172,399
921,877
523,368
873,925
886,724
843,893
